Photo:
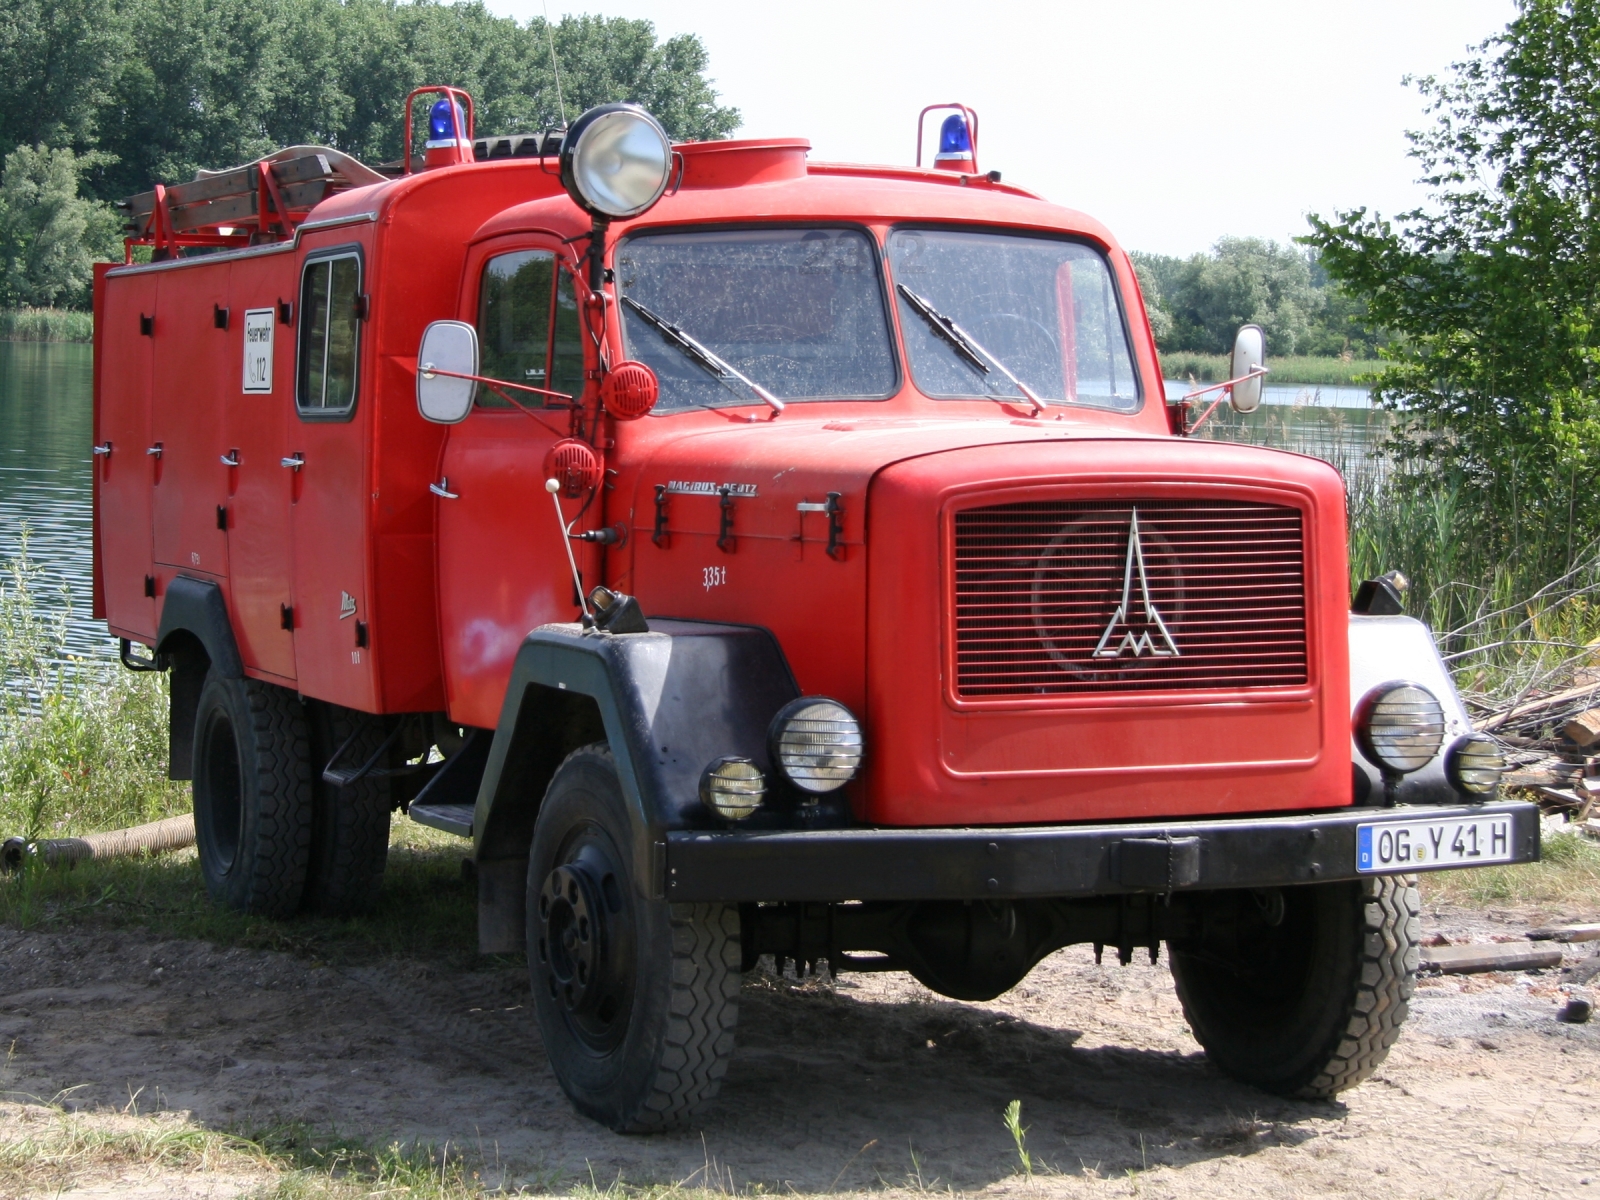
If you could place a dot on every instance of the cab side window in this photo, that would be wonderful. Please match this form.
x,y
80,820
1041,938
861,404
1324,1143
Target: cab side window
x,y
330,337
528,327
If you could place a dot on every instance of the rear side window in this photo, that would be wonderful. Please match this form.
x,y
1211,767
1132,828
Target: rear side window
x,y
330,336
528,327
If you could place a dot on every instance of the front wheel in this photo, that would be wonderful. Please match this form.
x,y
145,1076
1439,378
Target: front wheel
x,y
636,998
1302,991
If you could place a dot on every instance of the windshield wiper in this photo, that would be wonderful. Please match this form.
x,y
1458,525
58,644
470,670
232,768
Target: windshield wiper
x,y
967,346
700,355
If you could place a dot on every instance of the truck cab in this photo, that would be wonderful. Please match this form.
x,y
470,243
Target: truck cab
x,y
758,556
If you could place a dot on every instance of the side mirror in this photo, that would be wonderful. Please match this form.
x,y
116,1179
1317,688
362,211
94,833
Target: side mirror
x,y
449,349
1249,352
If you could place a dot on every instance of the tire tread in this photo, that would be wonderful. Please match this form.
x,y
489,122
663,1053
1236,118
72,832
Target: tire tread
x,y
282,758
1390,952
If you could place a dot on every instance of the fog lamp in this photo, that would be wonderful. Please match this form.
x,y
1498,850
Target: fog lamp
x,y
1400,727
1475,765
615,160
816,743
733,788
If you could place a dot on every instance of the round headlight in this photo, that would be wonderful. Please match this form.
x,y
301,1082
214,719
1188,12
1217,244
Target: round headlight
x,y
1475,765
615,160
733,788
1401,727
816,743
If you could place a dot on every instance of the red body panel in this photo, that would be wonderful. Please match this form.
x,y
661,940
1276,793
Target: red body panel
x,y
444,589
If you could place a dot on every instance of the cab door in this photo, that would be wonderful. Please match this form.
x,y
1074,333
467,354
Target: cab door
x,y
258,396
502,567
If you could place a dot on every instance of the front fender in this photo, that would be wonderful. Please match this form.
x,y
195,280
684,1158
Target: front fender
x,y
667,703
1391,649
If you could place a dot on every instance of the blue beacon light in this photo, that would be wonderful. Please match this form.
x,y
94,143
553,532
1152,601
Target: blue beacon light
x,y
954,141
955,146
440,130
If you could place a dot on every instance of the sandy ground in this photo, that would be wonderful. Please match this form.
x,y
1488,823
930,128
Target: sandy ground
x,y
871,1083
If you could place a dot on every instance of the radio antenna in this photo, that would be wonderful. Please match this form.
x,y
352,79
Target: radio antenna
x,y
551,38
553,486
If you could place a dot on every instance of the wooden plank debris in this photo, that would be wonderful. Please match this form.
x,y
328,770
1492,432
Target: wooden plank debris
x,y
1496,956
1566,933
1584,729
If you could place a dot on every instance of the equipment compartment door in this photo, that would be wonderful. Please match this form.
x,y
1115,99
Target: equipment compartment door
x,y
502,567
125,473
258,394
192,333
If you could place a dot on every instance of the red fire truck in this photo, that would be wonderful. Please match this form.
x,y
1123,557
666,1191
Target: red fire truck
x,y
756,556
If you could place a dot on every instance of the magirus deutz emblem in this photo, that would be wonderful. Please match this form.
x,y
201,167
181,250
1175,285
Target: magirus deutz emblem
x,y
1141,643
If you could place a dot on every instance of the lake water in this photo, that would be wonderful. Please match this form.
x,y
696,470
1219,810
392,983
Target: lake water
x,y
45,475
45,479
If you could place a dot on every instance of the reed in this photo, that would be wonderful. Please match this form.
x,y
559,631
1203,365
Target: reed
x,y
83,744
45,325
1290,369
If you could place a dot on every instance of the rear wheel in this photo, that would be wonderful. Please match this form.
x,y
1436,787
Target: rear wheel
x,y
1302,991
636,999
350,824
252,795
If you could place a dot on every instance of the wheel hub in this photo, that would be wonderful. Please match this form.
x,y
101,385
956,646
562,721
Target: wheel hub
x,y
572,936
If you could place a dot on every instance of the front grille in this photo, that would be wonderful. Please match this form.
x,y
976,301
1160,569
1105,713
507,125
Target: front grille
x,y
1039,597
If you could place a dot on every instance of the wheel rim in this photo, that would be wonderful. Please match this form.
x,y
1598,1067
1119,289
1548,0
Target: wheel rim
x,y
586,940
224,791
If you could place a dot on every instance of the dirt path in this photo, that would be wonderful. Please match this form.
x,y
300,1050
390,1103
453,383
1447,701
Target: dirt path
x,y
1486,1095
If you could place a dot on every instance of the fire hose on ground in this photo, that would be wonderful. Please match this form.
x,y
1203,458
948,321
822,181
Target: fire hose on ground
x,y
174,833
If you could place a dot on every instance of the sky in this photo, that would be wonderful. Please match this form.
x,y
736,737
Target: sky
x,y
1175,122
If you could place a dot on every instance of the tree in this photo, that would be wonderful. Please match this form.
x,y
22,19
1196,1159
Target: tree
x,y
1243,280
59,60
214,83
49,235
1494,286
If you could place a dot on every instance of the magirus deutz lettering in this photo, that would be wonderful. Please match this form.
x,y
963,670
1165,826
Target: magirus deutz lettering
x,y
752,556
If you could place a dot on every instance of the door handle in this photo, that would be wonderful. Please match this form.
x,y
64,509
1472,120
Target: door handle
x,y
154,451
442,488
294,462
104,448
231,459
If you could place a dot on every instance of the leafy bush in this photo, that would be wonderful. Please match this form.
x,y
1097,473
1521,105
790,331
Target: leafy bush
x,y
1490,290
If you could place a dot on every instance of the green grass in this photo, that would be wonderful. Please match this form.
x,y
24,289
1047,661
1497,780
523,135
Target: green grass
x,y
1290,369
45,325
427,910
46,1150
1567,879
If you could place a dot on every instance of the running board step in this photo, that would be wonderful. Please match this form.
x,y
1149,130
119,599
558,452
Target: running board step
x,y
452,818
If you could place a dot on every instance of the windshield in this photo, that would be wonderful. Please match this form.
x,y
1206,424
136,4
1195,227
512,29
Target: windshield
x,y
798,311
1042,310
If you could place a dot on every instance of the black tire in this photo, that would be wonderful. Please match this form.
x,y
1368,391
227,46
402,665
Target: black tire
x,y
1310,1005
636,999
349,825
252,795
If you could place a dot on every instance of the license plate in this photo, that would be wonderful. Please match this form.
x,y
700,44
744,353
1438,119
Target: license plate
x,y
1425,845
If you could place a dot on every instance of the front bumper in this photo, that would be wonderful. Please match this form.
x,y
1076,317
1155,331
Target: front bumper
x,y
1038,861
